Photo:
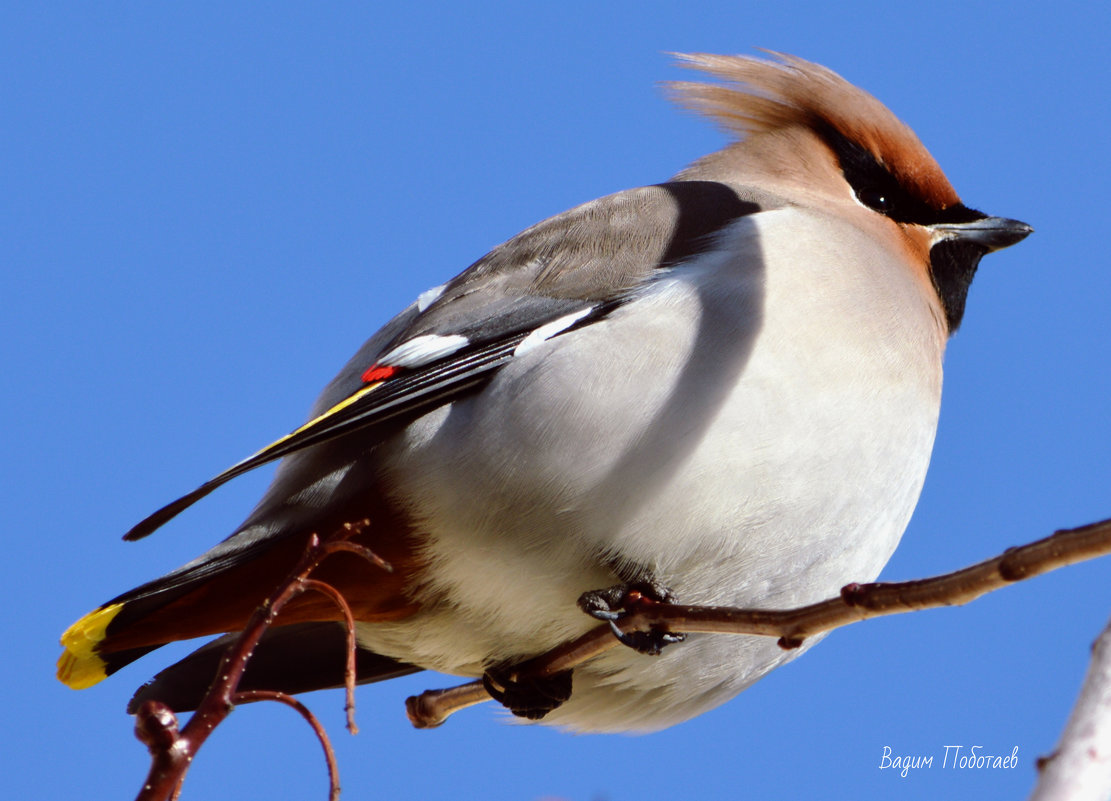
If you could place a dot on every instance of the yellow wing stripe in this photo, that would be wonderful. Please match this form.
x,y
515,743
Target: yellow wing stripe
x,y
276,449
79,665
339,407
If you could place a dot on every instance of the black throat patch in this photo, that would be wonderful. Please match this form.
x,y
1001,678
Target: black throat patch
x,y
953,264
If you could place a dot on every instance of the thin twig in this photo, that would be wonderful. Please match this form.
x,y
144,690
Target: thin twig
x,y
171,750
248,696
856,602
335,546
427,710
349,670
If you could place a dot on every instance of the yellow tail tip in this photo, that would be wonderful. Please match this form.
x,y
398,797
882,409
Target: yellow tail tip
x,y
79,665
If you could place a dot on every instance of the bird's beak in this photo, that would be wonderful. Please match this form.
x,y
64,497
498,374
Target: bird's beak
x,y
990,233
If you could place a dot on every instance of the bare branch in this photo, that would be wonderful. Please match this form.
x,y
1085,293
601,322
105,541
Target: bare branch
x,y
432,707
172,751
856,602
1080,768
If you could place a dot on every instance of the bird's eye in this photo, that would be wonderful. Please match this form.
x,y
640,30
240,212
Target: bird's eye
x,y
876,199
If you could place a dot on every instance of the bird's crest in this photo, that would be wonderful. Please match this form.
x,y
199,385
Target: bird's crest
x,y
760,96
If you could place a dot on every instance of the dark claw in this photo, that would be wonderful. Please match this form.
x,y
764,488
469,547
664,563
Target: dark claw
x,y
611,603
604,604
530,697
649,643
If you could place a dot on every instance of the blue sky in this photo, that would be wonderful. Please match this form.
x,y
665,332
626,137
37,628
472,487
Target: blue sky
x,y
207,207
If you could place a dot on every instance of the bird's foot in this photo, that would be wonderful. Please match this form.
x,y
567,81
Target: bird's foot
x,y
612,603
530,697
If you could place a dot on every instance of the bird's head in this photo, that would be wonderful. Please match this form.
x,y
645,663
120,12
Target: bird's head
x,y
811,137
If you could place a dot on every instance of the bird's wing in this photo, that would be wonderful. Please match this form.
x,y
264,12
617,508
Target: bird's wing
x,y
564,273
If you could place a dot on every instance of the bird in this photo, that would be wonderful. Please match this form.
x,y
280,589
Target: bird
x,y
721,389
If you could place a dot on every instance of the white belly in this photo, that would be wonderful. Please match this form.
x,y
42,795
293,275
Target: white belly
x,y
753,433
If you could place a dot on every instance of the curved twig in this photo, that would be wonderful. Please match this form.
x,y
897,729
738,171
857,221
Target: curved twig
x,y
156,725
247,696
349,623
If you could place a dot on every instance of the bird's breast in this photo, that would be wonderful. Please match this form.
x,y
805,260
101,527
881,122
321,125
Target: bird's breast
x,y
753,428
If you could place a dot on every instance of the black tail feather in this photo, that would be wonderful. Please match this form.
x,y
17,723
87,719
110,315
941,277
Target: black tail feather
x,y
293,659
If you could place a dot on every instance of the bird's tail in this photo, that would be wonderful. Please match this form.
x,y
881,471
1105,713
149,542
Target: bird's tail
x,y
217,594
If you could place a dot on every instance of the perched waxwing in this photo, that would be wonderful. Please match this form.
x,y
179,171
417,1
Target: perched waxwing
x,y
721,389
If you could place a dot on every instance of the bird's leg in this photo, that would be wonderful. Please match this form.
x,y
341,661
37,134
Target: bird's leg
x,y
611,603
530,697
534,696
